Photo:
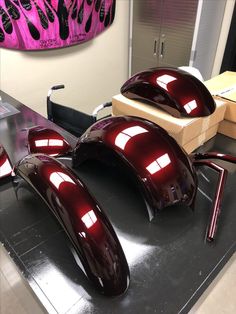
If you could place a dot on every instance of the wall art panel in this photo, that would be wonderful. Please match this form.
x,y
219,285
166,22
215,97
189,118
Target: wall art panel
x,y
48,24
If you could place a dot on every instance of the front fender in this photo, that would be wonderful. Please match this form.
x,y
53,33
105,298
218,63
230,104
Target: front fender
x,y
85,223
47,141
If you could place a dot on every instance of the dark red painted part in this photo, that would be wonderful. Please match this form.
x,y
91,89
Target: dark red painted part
x,y
163,170
173,90
5,164
214,155
216,208
47,141
87,226
200,159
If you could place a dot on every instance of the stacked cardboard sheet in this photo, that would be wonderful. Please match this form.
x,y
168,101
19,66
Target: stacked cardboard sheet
x,y
224,86
190,133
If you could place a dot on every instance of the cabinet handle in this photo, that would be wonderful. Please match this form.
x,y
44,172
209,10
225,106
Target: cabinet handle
x,y
155,47
162,47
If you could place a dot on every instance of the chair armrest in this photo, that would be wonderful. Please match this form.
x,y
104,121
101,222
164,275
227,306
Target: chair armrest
x,y
100,108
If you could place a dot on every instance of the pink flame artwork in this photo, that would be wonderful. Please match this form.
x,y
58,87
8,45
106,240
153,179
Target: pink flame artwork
x,y
47,24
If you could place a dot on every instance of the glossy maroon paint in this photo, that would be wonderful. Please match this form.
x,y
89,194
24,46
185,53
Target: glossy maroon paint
x,y
214,155
87,226
199,159
5,164
163,170
47,141
176,91
215,212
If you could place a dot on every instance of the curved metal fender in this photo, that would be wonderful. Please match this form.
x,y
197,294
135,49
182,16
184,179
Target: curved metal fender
x,y
176,91
5,164
163,170
47,141
87,226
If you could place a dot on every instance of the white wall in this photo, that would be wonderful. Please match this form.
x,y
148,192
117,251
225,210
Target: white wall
x,y
229,9
92,72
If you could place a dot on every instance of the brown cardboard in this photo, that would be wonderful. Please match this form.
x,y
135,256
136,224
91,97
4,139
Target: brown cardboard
x,y
201,139
223,85
230,112
227,128
183,130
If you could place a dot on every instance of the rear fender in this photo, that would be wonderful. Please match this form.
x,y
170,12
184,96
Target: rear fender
x,y
161,168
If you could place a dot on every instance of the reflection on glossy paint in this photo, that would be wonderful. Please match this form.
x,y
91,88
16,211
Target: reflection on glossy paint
x,y
123,137
41,143
82,234
59,177
53,278
190,106
159,164
135,251
89,219
121,140
48,142
5,168
163,80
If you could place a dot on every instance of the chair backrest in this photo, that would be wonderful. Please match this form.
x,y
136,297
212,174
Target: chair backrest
x,y
73,121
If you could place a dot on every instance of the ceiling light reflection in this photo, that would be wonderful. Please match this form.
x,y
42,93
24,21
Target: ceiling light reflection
x,y
134,130
59,177
124,136
163,80
89,219
5,168
190,106
158,164
121,140
48,142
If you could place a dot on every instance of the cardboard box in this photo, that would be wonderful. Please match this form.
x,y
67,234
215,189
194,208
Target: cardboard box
x,y
228,128
201,139
223,85
183,130
230,112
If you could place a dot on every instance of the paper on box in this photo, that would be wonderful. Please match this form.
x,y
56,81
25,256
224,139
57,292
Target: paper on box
x,y
223,85
183,130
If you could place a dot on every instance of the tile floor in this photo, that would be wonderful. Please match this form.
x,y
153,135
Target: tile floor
x,y
9,303
220,297
15,295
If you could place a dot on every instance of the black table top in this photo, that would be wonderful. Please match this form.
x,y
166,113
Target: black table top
x,y
170,262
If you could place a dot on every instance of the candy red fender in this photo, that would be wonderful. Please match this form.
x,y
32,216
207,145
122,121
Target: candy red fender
x,y
163,170
85,223
5,164
171,89
47,141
